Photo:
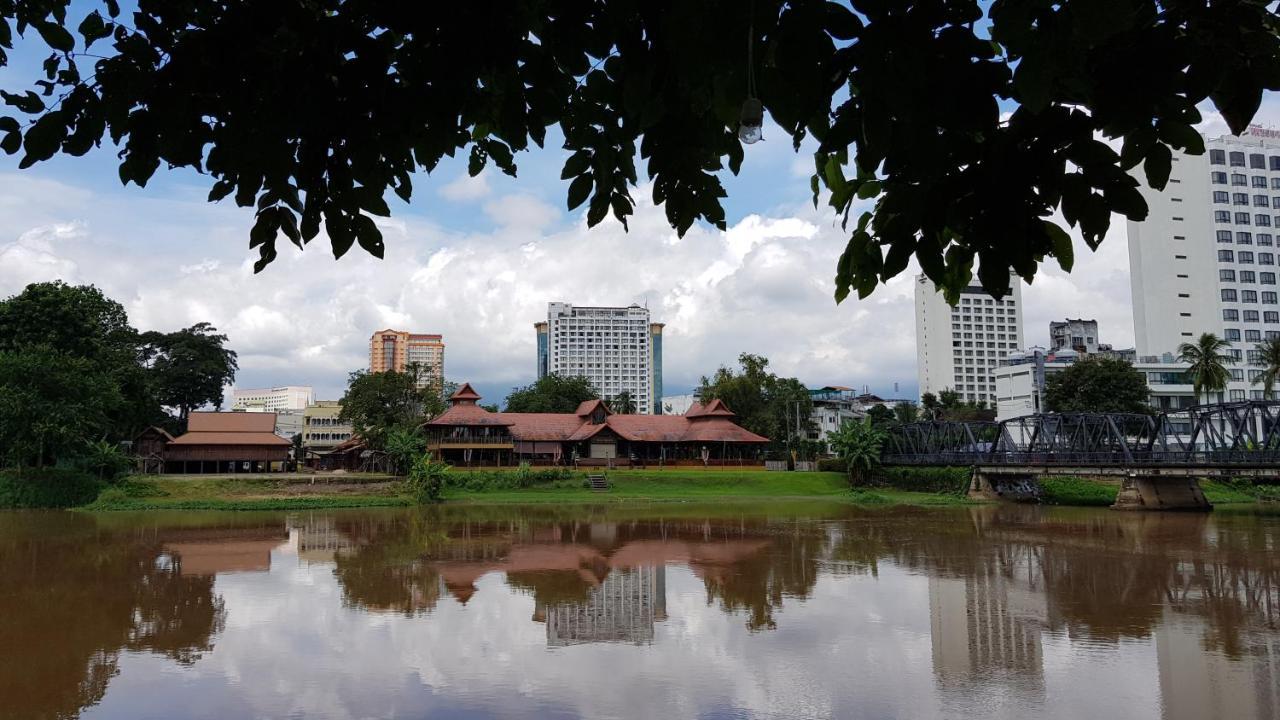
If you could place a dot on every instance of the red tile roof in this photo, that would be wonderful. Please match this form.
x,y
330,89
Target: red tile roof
x,y
230,438
714,408
469,415
466,392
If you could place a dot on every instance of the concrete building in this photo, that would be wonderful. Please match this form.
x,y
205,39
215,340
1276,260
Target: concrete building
x,y
621,609
288,397
397,349
678,404
958,347
1022,377
616,348
833,406
1204,260
1078,335
321,428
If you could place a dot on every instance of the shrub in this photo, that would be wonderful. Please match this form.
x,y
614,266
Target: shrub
x,y
833,465
523,477
427,479
105,461
47,488
947,480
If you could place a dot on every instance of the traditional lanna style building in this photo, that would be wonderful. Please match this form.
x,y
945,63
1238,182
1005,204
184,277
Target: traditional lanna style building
x,y
467,434
227,442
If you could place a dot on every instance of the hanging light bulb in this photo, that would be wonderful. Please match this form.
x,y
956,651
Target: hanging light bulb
x,y
751,122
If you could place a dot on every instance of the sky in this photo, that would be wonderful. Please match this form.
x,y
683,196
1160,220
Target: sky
x,y
478,259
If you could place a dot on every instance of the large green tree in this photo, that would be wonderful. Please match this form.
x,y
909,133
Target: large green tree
x,y
1208,360
380,405
53,405
776,407
551,394
54,319
188,368
970,123
1097,384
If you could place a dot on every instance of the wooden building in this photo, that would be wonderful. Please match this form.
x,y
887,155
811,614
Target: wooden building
x,y
222,442
467,434
148,449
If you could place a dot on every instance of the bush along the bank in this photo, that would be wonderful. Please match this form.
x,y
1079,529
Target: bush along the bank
x,y
426,480
519,479
834,464
945,480
47,488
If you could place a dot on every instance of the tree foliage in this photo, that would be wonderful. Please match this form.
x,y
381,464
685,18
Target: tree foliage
x,y
858,444
551,394
52,406
1268,360
776,407
377,404
189,368
906,412
1208,359
970,123
1097,384
623,403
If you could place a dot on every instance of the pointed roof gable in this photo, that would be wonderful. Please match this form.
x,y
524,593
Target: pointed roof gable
x,y
715,408
466,392
586,407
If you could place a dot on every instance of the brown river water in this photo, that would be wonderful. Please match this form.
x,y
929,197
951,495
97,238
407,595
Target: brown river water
x,y
673,610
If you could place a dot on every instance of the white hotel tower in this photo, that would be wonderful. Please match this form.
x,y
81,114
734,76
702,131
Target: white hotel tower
x,y
1204,260
958,348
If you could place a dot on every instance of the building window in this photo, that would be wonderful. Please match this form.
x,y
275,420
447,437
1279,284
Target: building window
x,y
1244,238
1229,295
1222,196
1258,181
1251,316
1275,183
1262,220
1242,218
1217,157
1227,275
1245,257
1230,315
1264,239
1257,161
1222,216
1271,316
1268,297
1226,256
1219,177
1239,180
1275,163
1236,158
1249,296
1231,334
1240,198
1237,395
1247,276
1261,201
1268,278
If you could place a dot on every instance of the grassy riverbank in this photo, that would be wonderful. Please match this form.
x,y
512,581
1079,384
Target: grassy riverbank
x,y
271,493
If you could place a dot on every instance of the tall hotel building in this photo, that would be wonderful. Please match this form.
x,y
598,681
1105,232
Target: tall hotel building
x,y
1204,260
396,349
616,348
958,348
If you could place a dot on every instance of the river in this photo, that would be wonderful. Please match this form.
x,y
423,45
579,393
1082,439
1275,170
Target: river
x,y
791,610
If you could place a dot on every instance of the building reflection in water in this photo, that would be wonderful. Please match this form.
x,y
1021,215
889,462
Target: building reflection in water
x,y
622,609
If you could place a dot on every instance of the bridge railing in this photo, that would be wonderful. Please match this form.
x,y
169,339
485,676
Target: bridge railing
x,y
1222,434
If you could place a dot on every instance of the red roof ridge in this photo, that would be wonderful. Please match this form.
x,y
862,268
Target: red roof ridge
x,y
586,407
466,392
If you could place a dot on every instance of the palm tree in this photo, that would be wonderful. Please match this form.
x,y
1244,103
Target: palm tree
x,y
1208,360
623,403
1269,361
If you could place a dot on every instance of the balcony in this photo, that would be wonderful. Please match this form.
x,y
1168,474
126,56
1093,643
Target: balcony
x,y
464,441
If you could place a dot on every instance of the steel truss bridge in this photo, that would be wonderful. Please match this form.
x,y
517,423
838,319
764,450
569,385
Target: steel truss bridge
x,y
1243,437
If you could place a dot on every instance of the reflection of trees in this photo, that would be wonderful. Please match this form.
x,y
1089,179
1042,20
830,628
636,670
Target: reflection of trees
x,y
386,571
76,597
758,584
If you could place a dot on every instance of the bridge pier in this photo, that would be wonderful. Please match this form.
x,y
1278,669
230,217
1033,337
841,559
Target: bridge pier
x,y
1161,493
1007,488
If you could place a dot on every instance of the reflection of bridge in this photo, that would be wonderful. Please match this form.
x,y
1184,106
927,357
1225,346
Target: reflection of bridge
x,y
1160,457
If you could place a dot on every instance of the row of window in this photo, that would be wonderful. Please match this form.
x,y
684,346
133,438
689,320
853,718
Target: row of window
x,y
1233,315
1245,257
1247,296
1244,237
1257,161
1243,218
986,301
1247,276
1222,197
1242,180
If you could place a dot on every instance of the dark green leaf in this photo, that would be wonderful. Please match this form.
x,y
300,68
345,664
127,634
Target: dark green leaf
x,y
1158,165
579,189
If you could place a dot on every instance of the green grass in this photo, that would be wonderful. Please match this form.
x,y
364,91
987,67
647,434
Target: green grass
x,y
1079,491
627,486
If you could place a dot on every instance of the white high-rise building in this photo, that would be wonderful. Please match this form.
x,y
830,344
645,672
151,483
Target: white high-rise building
x,y
289,397
1204,260
616,348
958,348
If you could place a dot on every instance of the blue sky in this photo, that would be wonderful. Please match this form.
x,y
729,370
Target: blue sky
x,y
477,259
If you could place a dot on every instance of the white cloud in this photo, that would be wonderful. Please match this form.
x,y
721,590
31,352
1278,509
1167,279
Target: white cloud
x,y
34,256
466,188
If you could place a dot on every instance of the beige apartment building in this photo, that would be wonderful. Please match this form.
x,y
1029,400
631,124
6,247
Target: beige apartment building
x,y
321,428
396,349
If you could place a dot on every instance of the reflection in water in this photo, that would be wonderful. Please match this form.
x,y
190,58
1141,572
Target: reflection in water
x,y
707,606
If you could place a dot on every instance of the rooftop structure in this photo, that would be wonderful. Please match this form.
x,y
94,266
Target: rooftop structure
x,y
957,348
287,397
397,350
